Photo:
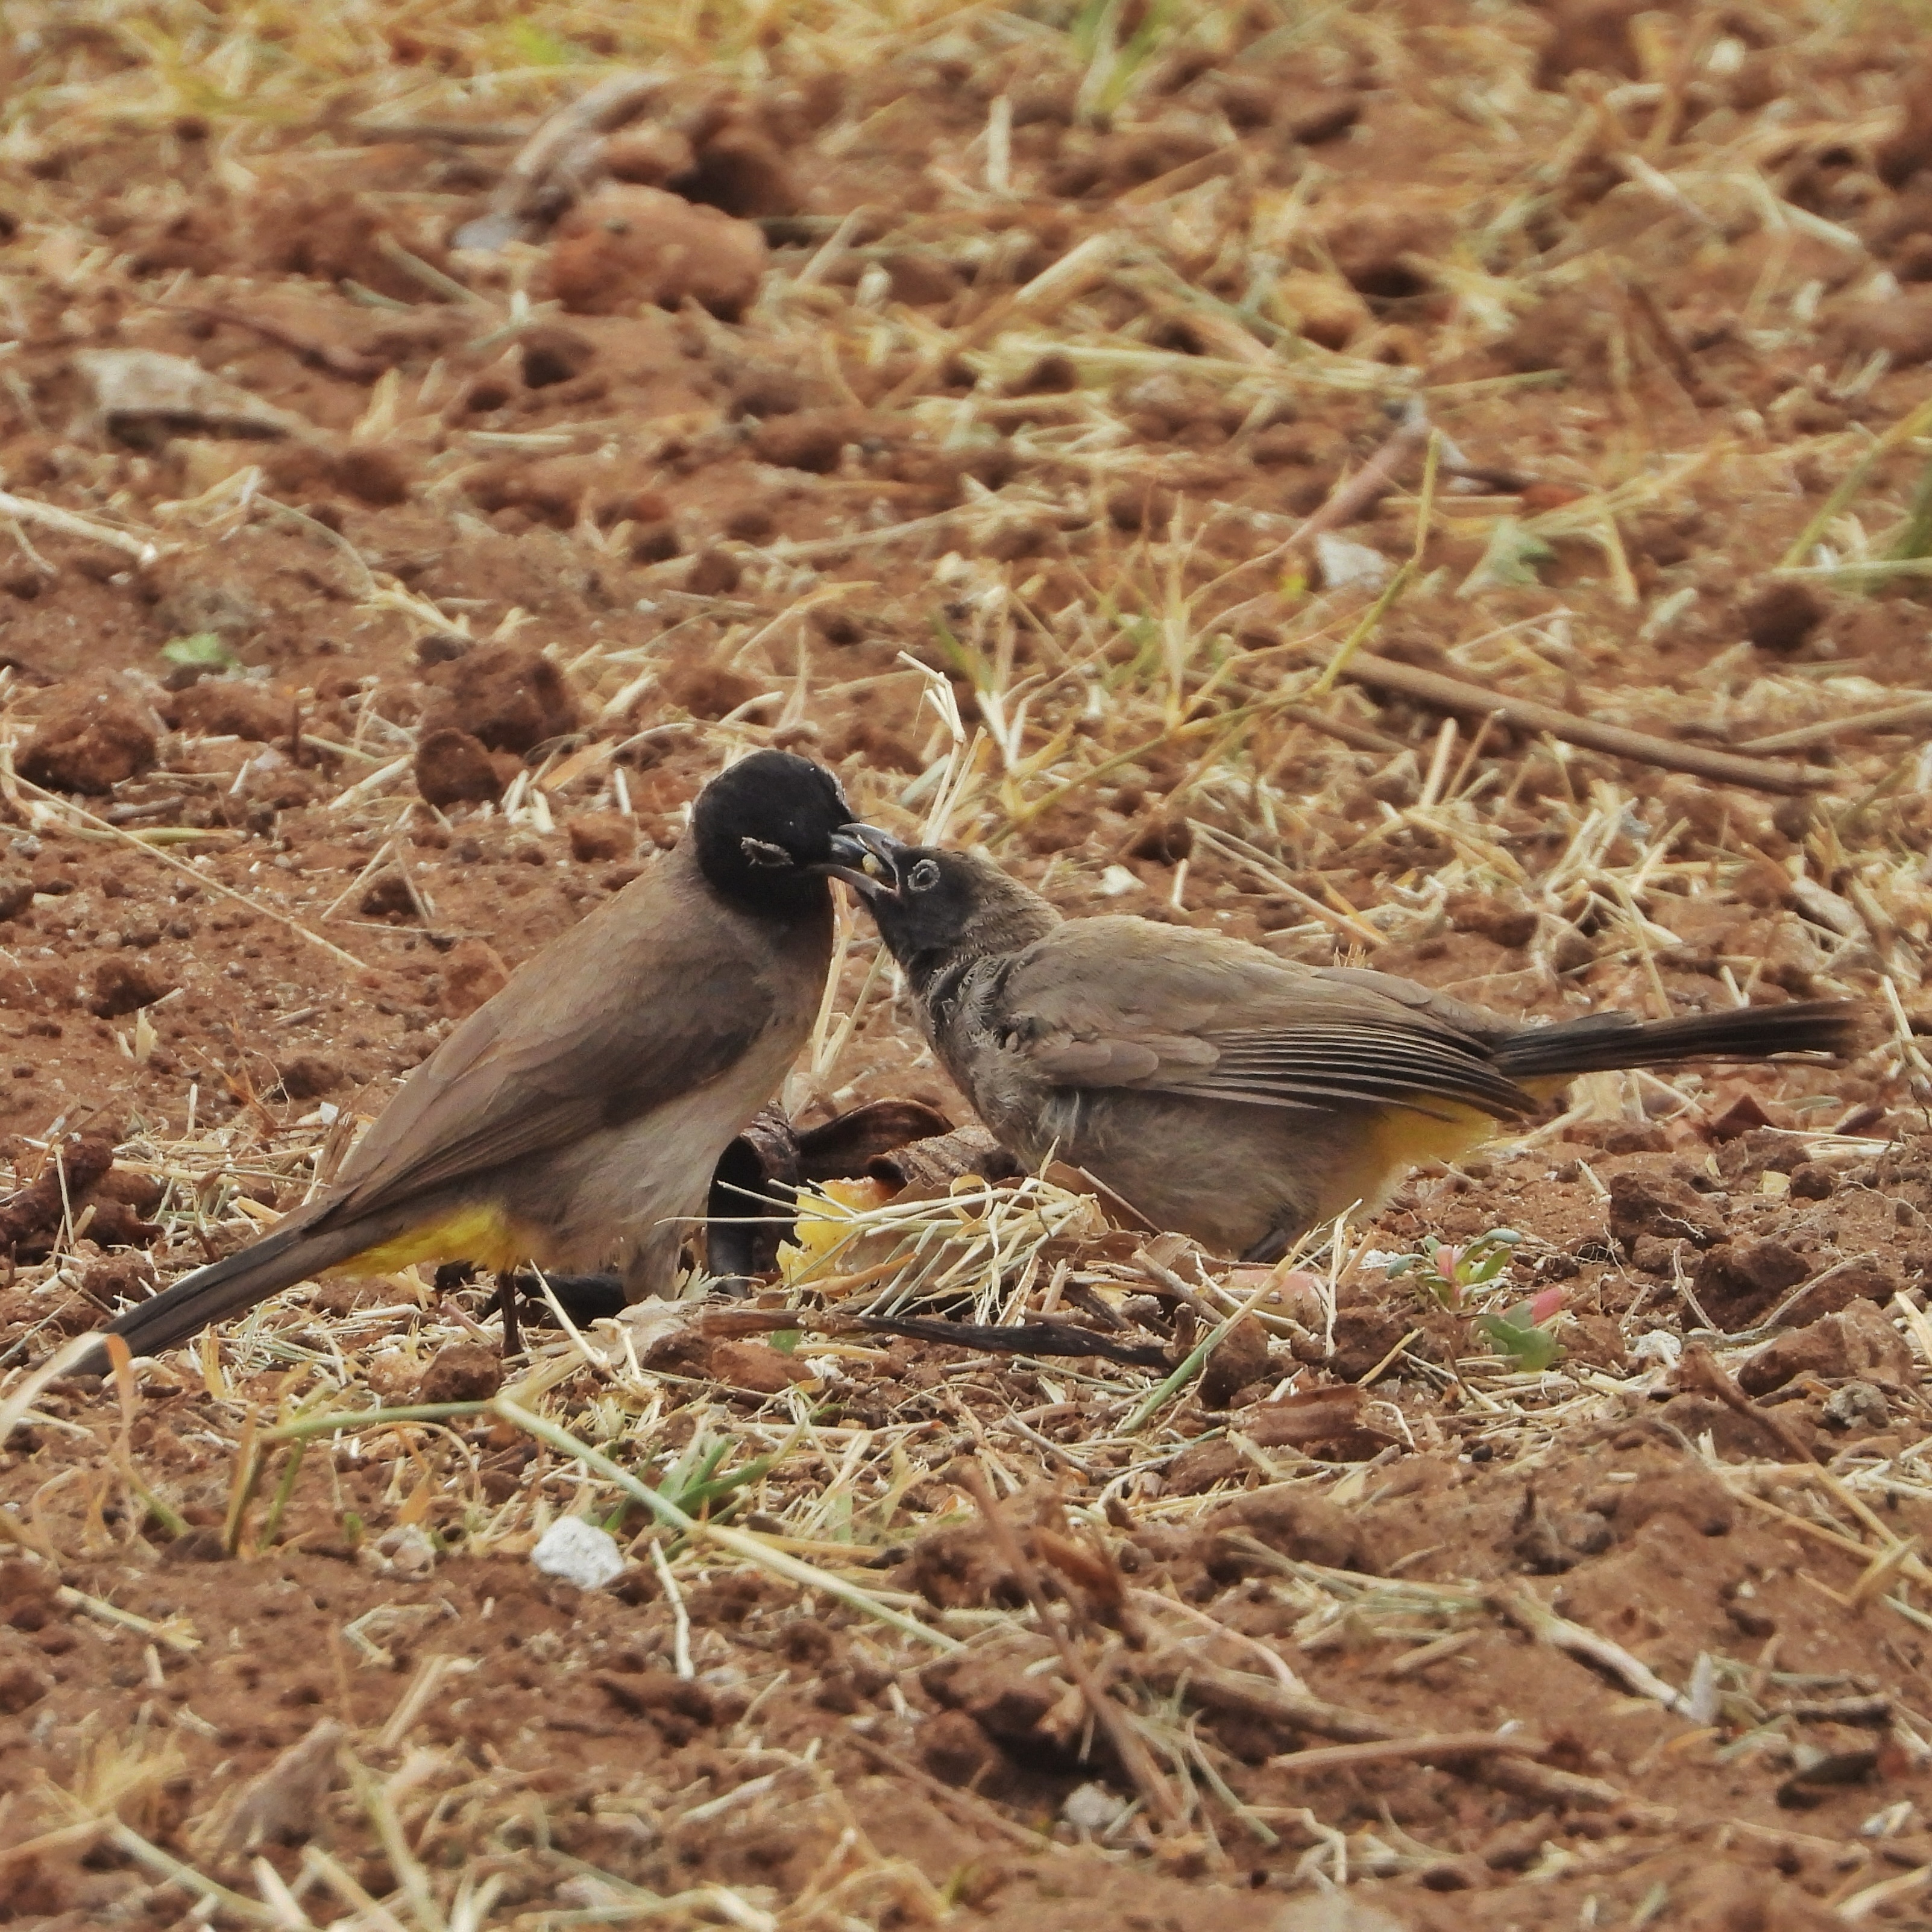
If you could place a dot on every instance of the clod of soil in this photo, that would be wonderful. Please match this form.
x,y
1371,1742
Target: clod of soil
x,y
507,697
472,972
624,245
90,743
462,1372
221,707
453,767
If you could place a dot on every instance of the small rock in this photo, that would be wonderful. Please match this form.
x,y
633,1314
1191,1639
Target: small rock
x,y
1662,1205
1857,1405
1201,1465
752,1366
221,707
508,697
1859,1341
680,1707
713,573
1814,1181
1737,1281
1868,1278
1307,1527
377,477
1241,1357
1652,1254
552,354
309,1076
955,1751
90,745
646,155
405,1551
600,835
1345,566
462,1372
625,246
1495,919
1901,325
453,768
706,689
812,440
1781,616
1092,1808
472,973
122,986
742,171
16,895
579,1553
21,1687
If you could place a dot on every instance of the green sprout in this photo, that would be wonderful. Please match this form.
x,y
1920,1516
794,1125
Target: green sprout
x,y
1451,1273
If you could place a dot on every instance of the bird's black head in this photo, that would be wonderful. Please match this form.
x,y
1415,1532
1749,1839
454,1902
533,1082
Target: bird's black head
x,y
935,907
770,831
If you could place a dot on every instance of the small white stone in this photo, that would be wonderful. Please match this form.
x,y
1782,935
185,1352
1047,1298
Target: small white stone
x,y
1656,1346
1117,879
1092,1808
580,1553
1344,565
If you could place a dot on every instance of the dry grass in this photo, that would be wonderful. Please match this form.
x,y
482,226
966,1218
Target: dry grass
x,y
1197,647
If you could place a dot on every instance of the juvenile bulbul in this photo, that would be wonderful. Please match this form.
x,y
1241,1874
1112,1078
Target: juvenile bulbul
x,y
575,1119
1227,1094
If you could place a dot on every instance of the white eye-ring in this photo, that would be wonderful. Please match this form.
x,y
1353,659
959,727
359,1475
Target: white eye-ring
x,y
924,876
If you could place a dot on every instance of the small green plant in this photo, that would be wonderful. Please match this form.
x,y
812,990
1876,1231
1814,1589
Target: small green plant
x,y
1526,1333
201,650
1459,1276
1452,1273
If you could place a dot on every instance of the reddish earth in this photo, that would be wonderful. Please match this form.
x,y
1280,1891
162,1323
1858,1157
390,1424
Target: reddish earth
x,y
357,648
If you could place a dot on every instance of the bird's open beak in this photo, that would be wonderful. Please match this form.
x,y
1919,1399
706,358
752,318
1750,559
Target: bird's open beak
x,y
866,859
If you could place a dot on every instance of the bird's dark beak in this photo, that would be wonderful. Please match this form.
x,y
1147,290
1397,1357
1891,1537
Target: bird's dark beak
x,y
866,859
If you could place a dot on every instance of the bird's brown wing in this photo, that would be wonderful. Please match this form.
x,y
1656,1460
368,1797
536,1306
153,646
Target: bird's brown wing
x,y
655,993
1123,1003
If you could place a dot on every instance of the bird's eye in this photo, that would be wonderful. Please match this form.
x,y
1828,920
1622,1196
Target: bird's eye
x,y
761,852
923,877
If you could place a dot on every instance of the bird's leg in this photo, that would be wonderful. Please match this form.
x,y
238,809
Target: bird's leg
x,y
583,1297
506,1305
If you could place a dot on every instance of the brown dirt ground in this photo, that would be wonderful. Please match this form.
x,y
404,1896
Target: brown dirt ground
x,y
467,636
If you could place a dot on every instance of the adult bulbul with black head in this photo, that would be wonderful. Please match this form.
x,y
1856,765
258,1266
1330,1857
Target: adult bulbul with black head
x,y
575,1119
1226,1094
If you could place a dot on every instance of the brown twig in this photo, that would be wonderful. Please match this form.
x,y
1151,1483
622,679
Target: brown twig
x,y
1136,1759
1475,700
977,1811
1700,1369
1907,717
1429,1749
1236,1692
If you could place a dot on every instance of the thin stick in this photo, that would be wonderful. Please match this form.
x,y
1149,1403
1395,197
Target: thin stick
x,y
1236,1691
975,1807
200,878
1133,1753
1396,1751
1452,693
751,1548
1826,731
680,1616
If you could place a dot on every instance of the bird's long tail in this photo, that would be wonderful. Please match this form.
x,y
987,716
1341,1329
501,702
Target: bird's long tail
x,y
1603,1042
287,1254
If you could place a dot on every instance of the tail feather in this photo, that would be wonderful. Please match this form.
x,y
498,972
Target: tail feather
x,y
1605,1043
288,1254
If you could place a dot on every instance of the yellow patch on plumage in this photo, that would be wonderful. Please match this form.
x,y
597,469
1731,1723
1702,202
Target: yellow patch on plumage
x,y
1400,1140
482,1234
